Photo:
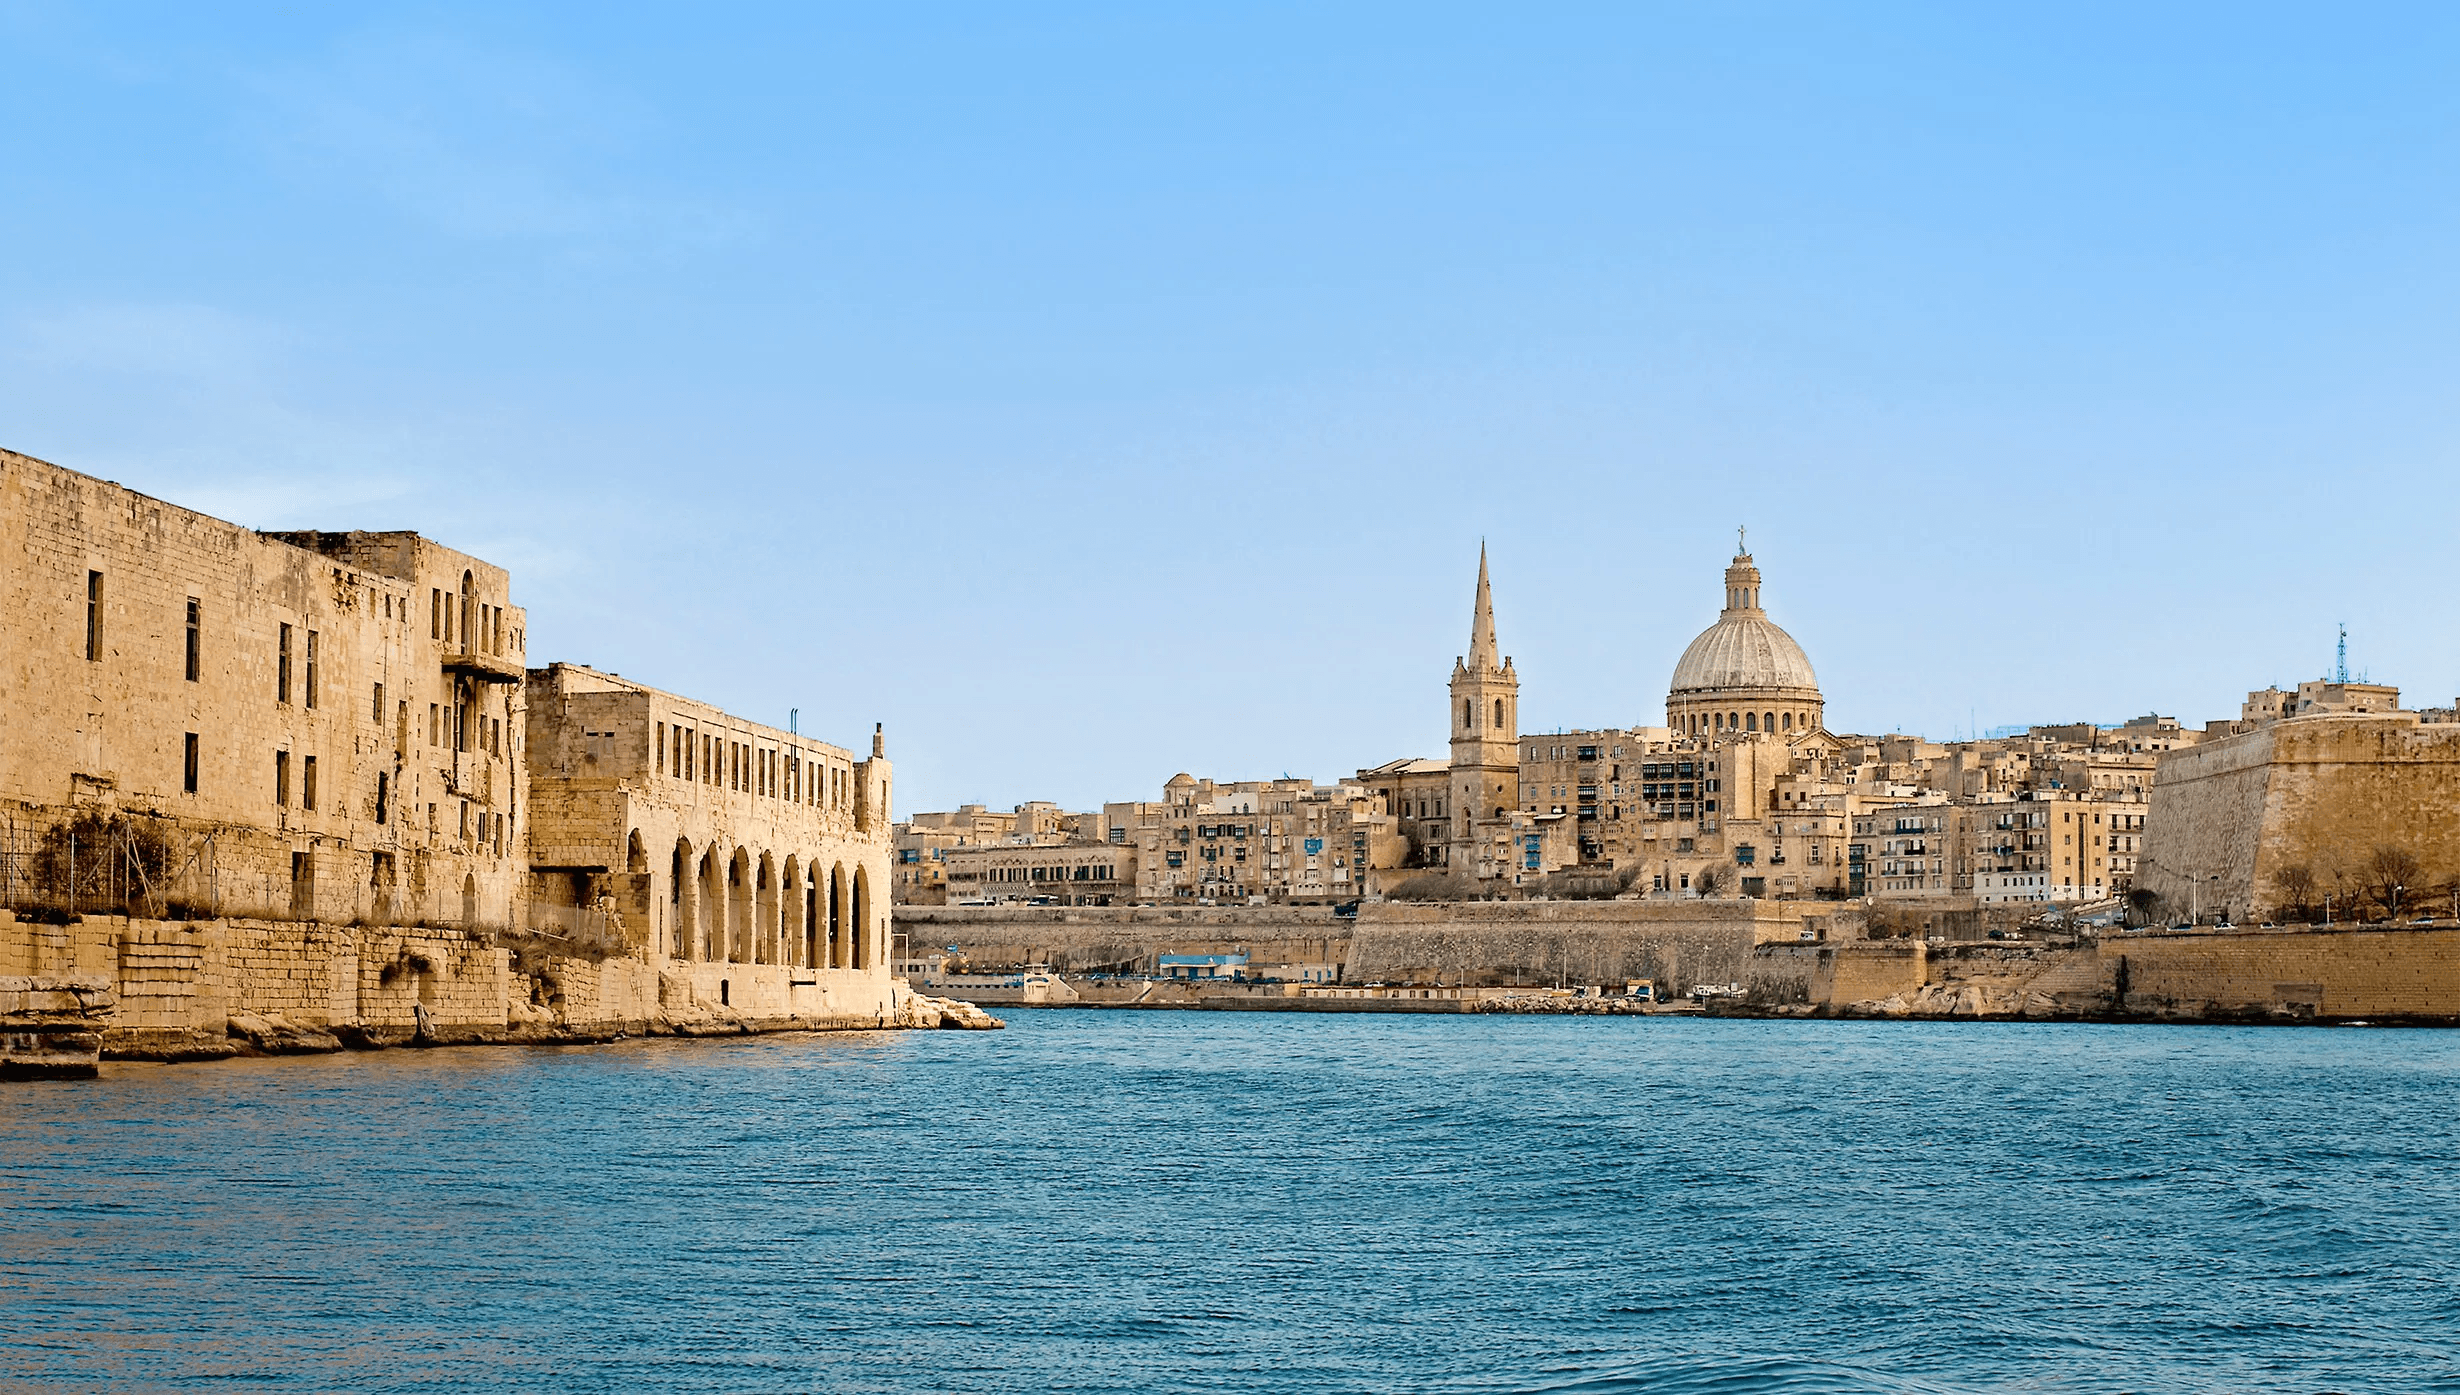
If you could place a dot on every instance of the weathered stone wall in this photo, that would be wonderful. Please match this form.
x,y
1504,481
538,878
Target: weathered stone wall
x,y
1082,939
2336,973
2340,972
1678,944
2322,792
96,585
183,987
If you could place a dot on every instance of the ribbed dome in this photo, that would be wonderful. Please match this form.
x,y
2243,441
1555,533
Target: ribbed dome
x,y
1743,651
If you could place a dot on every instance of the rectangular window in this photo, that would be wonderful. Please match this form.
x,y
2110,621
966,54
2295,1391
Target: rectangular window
x,y
661,748
465,820
281,778
311,668
281,668
435,718
307,784
435,613
93,617
196,649
375,712
187,779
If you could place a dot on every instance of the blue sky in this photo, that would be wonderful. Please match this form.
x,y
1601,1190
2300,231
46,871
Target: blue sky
x,y
1095,393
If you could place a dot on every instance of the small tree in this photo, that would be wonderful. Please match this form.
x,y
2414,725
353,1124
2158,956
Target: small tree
x,y
2391,872
1709,880
2296,883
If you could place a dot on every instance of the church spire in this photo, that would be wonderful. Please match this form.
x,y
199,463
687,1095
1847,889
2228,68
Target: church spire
x,y
1482,626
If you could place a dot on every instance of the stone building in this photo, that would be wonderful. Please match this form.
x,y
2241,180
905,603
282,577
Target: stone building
x,y
1743,673
342,730
716,840
303,725
1090,873
1261,841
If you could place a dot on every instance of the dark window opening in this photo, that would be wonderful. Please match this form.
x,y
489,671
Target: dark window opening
x,y
187,779
93,617
196,653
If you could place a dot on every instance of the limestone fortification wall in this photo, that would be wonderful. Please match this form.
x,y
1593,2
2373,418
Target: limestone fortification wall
x,y
2340,973
1085,939
2322,792
1677,943
2336,972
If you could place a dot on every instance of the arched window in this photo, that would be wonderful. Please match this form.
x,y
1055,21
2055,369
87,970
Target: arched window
x,y
1768,721
1751,721
1469,714
1499,714
1789,721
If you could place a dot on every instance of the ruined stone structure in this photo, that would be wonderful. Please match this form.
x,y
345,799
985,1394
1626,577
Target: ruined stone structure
x,y
708,841
336,740
308,725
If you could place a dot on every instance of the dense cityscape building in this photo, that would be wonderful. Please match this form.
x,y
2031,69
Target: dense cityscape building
x,y
1742,792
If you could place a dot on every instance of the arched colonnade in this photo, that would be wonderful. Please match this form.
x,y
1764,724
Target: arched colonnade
x,y
728,906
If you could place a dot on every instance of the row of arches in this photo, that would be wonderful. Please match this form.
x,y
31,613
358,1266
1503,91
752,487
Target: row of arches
x,y
734,908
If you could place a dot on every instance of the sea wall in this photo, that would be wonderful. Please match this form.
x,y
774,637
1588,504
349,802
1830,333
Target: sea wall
x,y
1482,943
196,989
2311,973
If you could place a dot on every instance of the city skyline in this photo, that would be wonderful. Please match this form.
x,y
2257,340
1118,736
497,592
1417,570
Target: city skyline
x,y
1143,385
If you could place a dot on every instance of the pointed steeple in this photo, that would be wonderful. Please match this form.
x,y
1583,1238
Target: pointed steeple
x,y
1482,627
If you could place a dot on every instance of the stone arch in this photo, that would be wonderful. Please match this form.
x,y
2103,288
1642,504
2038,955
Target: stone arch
x,y
738,907
469,900
837,916
790,911
864,940
636,857
683,914
815,922
764,911
709,946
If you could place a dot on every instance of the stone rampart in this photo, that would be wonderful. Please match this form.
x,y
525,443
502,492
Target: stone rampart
x,y
1678,944
1125,939
2312,973
2323,792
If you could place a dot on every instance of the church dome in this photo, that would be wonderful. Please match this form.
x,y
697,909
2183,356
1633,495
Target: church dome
x,y
1741,651
1744,673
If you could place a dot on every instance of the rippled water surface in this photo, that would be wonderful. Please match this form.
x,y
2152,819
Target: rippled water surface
x,y
1227,1202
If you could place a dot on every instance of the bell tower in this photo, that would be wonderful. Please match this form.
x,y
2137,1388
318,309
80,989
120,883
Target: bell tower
x,y
1485,729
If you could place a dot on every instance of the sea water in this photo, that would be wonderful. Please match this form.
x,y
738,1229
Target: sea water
x,y
1128,1201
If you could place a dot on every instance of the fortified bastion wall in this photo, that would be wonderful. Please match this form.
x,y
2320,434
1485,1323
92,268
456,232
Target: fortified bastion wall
x,y
1490,943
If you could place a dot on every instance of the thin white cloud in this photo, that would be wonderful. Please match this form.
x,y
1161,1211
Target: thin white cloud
x,y
481,144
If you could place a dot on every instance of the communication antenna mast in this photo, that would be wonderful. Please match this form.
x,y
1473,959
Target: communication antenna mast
x,y
2340,668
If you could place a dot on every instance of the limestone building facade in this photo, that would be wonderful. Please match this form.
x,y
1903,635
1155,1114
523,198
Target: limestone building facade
x,y
207,721
724,841
302,725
